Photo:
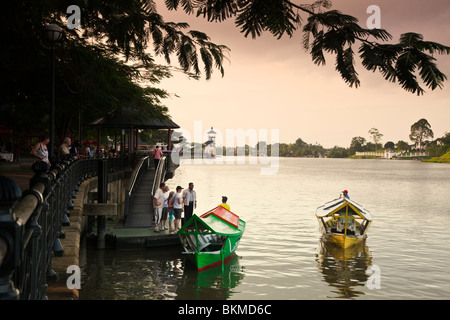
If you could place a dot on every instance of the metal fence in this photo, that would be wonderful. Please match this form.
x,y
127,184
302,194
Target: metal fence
x,y
160,174
31,223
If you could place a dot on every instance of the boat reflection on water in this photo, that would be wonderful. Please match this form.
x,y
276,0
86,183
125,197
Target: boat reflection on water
x,y
345,268
157,274
211,284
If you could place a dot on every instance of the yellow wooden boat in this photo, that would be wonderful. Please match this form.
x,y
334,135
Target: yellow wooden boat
x,y
343,222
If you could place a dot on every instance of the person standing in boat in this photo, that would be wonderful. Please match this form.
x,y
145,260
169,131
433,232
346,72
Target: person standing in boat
x,y
224,203
190,201
345,193
350,220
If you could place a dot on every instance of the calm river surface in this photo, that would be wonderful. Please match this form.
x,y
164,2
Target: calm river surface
x,y
281,255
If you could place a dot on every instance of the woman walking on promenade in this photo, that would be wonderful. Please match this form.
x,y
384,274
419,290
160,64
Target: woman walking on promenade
x,y
40,149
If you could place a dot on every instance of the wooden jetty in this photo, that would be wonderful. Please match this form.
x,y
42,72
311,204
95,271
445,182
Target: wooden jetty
x,y
136,230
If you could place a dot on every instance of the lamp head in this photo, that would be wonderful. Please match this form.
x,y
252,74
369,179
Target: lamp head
x,y
53,32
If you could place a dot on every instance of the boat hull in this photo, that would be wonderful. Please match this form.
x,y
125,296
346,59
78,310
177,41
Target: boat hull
x,y
207,260
342,240
212,238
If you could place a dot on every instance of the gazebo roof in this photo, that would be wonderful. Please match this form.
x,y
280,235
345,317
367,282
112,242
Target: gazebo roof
x,y
127,118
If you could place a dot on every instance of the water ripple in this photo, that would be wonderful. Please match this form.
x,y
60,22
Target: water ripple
x,y
281,255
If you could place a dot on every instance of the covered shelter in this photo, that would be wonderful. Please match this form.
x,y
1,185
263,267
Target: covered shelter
x,y
132,120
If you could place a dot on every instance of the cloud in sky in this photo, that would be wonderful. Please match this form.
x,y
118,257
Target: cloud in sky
x,y
273,84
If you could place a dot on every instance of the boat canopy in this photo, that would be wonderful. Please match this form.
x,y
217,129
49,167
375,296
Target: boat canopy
x,y
218,220
330,208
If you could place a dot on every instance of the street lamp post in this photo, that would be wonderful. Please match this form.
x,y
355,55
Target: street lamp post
x,y
53,33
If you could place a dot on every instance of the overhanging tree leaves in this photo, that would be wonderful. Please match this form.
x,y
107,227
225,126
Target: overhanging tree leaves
x,y
330,31
132,26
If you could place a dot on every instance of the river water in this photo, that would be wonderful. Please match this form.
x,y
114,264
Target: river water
x,y
281,255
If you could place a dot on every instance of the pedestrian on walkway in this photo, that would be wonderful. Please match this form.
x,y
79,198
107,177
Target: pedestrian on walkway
x,y
157,154
40,149
190,201
158,202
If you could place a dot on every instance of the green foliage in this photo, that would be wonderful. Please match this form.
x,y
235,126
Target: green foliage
x,y
107,64
402,145
133,26
389,145
420,131
445,158
338,152
376,136
300,149
357,145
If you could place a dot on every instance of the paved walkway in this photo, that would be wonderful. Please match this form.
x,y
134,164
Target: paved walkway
x,y
20,173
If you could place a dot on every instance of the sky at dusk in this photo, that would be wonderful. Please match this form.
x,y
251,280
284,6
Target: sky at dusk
x,y
273,84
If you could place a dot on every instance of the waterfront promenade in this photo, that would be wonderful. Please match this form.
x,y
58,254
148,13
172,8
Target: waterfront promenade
x,y
136,231
21,174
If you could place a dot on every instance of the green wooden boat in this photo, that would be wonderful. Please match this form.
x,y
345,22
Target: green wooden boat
x,y
212,238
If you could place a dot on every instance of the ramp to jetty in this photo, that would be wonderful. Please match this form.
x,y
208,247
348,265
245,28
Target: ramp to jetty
x,y
140,214
137,230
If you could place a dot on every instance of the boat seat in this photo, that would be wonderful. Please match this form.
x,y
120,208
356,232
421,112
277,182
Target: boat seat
x,y
215,246
203,241
190,239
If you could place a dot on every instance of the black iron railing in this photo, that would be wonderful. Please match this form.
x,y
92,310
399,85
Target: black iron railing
x,y
31,223
160,174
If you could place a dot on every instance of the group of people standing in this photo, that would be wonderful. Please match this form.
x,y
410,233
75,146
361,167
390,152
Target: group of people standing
x,y
41,152
171,205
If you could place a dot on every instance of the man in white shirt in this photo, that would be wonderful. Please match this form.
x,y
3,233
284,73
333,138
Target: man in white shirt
x,y
165,209
190,201
177,207
158,201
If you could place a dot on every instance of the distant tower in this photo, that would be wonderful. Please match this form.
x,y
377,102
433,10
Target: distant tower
x,y
212,135
210,145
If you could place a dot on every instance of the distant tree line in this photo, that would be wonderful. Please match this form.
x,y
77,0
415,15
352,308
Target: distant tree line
x,y
420,135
